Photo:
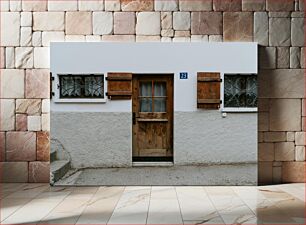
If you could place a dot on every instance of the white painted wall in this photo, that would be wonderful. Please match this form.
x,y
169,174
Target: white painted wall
x,y
150,58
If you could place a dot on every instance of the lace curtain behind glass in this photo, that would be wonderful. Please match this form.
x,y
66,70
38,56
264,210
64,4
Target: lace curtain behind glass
x,y
71,86
152,100
93,86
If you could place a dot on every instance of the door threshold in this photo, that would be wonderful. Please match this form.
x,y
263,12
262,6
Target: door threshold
x,y
152,164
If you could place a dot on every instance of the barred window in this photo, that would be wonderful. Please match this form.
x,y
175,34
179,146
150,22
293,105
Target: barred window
x,y
240,91
81,86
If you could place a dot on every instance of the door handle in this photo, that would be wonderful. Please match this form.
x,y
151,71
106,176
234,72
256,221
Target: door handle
x,y
134,118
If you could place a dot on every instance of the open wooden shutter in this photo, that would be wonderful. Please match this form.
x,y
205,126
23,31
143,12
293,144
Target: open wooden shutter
x,y
119,86
209,90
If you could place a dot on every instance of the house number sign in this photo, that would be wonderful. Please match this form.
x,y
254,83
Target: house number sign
x,y
184,76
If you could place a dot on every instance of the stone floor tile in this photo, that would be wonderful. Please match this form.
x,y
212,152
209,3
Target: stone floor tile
x,y
129,203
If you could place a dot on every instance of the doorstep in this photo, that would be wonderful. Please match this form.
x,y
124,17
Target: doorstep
x,y
152,164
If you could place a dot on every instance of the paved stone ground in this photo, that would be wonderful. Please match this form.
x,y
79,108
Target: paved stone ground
x,y
42,204
28,27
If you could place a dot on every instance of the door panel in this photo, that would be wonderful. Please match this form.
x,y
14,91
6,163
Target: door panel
x,y
152,116
152,138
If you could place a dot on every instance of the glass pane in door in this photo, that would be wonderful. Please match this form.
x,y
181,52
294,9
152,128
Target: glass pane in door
x,y
152,100
160,96
145,98
145,89
145,104
160,89
160,104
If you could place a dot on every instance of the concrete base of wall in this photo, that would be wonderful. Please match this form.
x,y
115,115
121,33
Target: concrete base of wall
x,y
242,174
206,149
92,138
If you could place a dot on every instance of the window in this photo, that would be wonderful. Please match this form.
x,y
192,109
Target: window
x,y
240,91
152,96
81,86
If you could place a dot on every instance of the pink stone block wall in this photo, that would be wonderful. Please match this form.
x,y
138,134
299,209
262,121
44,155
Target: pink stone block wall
x,y
20,146
28,27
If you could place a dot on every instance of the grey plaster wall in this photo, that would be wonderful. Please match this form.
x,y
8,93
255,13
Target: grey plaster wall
x,y
94,139
201,137
204,137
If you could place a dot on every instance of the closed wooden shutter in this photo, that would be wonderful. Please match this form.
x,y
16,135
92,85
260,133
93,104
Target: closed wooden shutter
x,y
119,86
209,90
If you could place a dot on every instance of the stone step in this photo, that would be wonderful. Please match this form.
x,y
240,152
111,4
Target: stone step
x,y
52,155
58,169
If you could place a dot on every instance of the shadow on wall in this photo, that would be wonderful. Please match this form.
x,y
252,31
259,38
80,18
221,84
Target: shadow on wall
x,y
280,125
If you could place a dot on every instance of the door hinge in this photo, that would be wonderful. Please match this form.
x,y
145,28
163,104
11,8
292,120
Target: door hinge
x,y
51,82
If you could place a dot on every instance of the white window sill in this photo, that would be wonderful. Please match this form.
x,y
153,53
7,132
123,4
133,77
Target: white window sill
x,y
239,110
80,100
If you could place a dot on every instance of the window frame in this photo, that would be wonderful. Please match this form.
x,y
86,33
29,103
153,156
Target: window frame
x,y
236,109
59,99
153,96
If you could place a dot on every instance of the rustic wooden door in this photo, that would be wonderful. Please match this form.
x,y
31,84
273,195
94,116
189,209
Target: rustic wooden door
x,y
152,117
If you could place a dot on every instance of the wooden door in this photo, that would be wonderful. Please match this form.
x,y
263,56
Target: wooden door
x,y
152,117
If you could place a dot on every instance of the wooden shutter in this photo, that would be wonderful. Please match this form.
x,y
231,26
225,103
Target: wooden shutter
x,y
119,86
209,90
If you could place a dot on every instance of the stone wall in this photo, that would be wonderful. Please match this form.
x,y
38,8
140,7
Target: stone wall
x,y
27,27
